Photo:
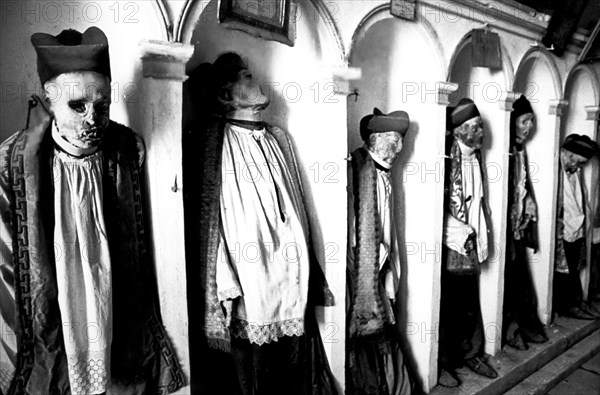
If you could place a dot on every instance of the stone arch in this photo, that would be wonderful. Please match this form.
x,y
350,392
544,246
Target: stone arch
x,y
478,83
538,79
582,91
539,53
507,67
306,68
192,11
402,64
594,78
382,12
166,19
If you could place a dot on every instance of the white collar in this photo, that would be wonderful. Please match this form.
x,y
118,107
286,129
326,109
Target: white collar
x,y
68,147
378,159
256,133
466,152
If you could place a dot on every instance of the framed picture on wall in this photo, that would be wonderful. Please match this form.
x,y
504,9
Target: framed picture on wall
x,y
267,19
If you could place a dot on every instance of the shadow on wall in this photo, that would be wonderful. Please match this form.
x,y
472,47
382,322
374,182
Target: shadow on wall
x,y
399,192
374,91
286,75
478,84
283,72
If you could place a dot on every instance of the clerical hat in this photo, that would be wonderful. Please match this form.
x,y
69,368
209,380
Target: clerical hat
x,y
521,106
378,122
227,67
71,51
580,145
464,110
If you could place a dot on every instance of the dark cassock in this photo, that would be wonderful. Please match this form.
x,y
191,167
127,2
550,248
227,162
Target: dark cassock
x,y
78,294
594,290
374,361
521,324
571,229
250,246
465,248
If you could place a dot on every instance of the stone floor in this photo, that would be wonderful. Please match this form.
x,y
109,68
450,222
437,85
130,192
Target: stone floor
x,y
585,380
542,368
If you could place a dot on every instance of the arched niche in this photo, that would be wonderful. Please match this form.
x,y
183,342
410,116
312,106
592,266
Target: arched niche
x,y
167,24
310,106
194,9
489,89
538,79
401,66
582,91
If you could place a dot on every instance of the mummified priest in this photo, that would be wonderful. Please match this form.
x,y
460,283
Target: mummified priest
x,y
520,324
249,245
77,289
465,247
374,363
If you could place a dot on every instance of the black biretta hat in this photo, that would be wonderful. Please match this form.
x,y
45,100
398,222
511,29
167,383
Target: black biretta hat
x,y
580,145
464,110
378,122
521,106
71,51
227,67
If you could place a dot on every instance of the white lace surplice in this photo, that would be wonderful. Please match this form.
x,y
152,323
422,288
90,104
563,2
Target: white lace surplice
x,y
263,259
574,214
389,242
473,191
83,270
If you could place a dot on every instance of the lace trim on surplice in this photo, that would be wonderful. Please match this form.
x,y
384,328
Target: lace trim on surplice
x,y
6,376
266,333
88,376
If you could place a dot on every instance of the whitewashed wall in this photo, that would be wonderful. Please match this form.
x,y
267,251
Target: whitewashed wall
x,y
538,79
401,71
299,82
582,90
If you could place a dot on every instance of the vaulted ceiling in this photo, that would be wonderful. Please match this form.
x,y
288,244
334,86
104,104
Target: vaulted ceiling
x,y
588,24
589,18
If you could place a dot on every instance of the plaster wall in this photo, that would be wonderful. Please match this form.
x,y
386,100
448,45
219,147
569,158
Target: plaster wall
x,y
581,89
534,80
305,103
486,87
400,71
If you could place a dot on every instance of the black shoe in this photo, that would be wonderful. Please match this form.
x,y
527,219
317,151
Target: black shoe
x,y
589,309
533,336
517,342
449,379
578,314
479,366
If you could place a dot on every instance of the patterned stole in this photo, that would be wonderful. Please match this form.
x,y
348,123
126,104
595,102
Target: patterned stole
x,y
523,209
455,204
202,213
560,258
141,350
367,314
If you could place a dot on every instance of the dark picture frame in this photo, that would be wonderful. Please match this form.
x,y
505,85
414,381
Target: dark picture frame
x,y
267,19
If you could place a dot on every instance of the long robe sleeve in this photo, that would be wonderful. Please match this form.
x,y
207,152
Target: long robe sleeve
x,y
455,233
228,286
392,277
8,340
388,245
